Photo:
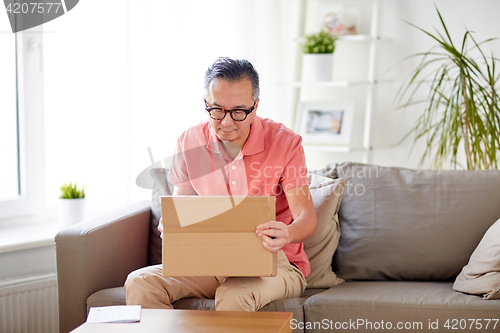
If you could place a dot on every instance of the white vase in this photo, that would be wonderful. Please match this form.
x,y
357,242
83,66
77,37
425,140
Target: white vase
x,y
317,67
71,211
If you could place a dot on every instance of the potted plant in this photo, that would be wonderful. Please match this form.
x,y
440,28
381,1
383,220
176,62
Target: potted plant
x,y
71,204
461,110
318,56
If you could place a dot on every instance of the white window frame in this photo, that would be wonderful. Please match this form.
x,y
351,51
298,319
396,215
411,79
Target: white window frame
x,y
29,55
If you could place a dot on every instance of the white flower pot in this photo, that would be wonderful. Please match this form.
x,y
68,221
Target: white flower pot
x,y
317,67
71,211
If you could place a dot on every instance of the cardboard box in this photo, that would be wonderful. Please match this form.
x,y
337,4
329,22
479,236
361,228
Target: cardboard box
x,y
215,236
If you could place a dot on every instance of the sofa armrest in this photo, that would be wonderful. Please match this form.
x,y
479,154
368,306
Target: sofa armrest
x,y
98,254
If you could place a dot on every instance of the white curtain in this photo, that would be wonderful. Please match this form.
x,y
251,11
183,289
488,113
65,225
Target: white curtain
x,y
121,76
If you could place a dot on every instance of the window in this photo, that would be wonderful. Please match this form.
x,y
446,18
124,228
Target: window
x,y
21,122
9,152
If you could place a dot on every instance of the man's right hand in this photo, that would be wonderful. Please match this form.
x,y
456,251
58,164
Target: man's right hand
x,y
177,191
160,227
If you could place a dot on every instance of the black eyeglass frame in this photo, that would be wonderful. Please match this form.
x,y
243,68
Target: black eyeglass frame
x,y
247,111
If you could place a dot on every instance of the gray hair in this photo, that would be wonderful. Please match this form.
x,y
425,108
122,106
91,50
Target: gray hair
x,y
232,70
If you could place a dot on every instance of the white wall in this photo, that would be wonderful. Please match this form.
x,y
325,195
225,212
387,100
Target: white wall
x,y
459,15
122,76
87,107
391,125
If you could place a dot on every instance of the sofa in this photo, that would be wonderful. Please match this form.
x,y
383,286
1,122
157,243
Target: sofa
x,y
392,244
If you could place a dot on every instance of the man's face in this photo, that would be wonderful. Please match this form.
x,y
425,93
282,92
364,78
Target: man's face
x,y
231,95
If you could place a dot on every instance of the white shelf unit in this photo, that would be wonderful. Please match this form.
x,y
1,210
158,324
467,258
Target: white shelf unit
x,y
369,84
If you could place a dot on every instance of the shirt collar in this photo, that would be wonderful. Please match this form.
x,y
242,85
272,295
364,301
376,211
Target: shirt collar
x,y
213,141
255,141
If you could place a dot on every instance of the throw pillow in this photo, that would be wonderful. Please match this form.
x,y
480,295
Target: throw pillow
x,y
481,275
161,187
330,171
326,195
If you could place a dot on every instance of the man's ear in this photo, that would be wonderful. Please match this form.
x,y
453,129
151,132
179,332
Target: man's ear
x,y
256,105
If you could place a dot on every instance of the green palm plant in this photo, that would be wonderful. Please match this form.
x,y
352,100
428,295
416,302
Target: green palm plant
x,y
461,111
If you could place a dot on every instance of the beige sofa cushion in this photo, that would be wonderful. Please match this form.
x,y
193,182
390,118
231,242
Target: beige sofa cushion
x,y
326,195
481,275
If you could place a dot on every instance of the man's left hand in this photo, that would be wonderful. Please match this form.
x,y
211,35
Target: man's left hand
x,y
274,235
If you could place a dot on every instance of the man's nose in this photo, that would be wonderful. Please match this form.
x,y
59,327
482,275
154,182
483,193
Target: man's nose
x,y
227,121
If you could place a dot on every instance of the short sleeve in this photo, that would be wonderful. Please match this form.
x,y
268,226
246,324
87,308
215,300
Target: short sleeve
x,y
178,174
295,170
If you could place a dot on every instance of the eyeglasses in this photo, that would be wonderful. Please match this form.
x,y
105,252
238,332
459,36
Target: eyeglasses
x,y
218,113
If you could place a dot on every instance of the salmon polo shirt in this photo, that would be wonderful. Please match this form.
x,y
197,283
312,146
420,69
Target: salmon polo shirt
x,y
271,162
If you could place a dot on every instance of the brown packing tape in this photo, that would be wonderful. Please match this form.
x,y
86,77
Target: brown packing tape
x,y
224,244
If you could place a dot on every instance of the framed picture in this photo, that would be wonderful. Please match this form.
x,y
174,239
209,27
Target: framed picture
x,y
325,123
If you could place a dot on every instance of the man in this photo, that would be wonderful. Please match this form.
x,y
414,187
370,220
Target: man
x,y
263,158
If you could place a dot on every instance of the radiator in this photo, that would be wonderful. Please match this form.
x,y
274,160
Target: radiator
x,y
29,305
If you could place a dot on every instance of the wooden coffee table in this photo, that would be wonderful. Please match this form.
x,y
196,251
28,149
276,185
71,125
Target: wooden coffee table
x,y
183,321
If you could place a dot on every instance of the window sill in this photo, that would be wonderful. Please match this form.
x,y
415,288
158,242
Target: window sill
x,y
29,236
29,232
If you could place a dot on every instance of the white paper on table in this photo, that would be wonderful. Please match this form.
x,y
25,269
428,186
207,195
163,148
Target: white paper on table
x,y
115,314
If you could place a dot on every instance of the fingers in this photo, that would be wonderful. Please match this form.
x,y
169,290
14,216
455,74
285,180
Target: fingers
x,y
272,229
160,227
274,235
271,244
271,225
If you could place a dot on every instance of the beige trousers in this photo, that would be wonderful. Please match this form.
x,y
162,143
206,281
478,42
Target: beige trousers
x,y
147,287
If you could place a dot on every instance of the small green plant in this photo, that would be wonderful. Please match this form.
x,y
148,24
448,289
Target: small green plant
x,y
70,191
320,42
